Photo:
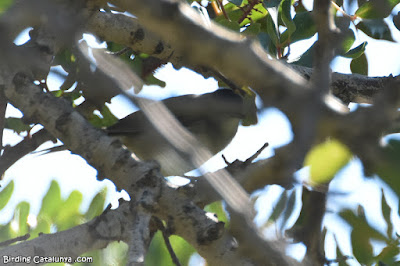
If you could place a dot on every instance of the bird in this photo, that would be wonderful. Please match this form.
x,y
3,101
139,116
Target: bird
x,y
213,118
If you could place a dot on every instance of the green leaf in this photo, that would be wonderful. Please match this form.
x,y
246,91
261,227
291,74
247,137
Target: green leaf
x,y
66,59
70,216
182,249
396,20
359,65
388,255
287,20
114,254
272,31
375,28
5,194
348,40
386,212
326,159
158,253
218,209
43,226
6,232
258,12
105,119
361,245
272,7
306,59
388,168
232,25
359,221
97,205
250,108
376,9
236,2
16,124
51,202
339,254
21,216
253,30
4,5
357,51
279,207
305,28
297,231
289,208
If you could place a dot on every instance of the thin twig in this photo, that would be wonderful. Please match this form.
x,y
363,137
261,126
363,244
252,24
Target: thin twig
x,y
13,240
166,235
120,52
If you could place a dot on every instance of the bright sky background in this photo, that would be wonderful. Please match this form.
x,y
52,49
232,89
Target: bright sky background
x,y
32,173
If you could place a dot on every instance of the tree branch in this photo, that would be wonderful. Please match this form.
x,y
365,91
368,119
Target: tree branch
x,y
110,226
122,29
27,145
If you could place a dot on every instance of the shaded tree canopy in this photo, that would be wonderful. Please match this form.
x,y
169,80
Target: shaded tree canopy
x,y
246,46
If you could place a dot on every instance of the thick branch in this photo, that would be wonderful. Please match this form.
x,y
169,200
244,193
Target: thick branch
x,y
112,225
63,122
123,29
238,58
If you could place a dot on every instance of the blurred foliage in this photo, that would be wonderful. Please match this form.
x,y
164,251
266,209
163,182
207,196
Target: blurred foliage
x,y
5,4
58,214
159,255
325,160
16,124
276,24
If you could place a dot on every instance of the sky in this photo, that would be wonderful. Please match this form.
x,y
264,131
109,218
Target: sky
x,y
33,173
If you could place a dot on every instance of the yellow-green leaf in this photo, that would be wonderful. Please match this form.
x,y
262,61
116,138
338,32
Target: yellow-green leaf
x,y
326,159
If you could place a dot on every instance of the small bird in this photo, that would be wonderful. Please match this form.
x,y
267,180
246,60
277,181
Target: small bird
x,y
213,118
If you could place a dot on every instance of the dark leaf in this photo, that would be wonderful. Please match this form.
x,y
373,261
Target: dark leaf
x,y
376,9
253,30
359,65
306,59
388,169
236,2
279,207
362,248
305,28
286,17
5,194
16,124
388,255
396,20
375,28
289,208
357,51
360,223
386,212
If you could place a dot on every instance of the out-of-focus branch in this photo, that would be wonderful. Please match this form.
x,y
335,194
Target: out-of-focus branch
x,y
27,145
63,122
309,228
214,46
3,106
127,31
122,29
234,195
